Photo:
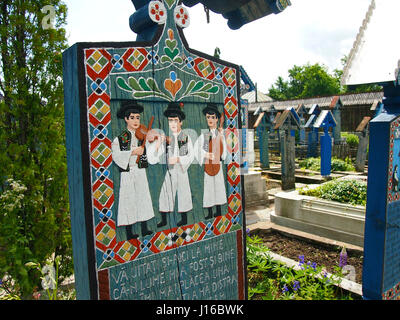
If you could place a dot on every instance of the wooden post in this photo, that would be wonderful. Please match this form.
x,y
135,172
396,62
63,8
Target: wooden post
x,y
264,152
336,107
312,147
325,121
286,124
301,111
363,138
287,159
262,127
326,153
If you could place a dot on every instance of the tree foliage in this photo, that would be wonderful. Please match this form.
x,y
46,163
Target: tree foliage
x,y
313,81
34,211
304,82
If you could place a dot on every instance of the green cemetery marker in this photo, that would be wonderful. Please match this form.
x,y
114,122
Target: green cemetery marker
x,y
153,152
262,126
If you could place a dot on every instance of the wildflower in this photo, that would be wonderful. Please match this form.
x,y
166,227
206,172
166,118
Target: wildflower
x,y
296,285
314,265
325,275
343,257
285,289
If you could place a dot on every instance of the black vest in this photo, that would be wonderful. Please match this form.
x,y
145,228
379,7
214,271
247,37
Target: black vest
x,y
125,139
182,144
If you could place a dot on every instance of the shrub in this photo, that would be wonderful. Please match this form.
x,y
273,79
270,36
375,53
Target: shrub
x,y
311,164
337,164
351,139
342,165
344,191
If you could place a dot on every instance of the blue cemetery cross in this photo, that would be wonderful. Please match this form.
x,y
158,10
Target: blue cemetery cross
x,y
312,147
371,63
263,126
287,123
378,107
325,121
272,115
336,109
301,111
194,247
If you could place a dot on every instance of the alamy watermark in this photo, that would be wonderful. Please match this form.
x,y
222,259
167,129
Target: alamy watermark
x,y
48,19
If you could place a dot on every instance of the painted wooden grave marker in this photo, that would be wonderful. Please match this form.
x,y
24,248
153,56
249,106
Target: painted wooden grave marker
x,y
378,107
336,108
325,121
368,63
286,124
239,13
263,126
301,111
189,246
362,131
313,136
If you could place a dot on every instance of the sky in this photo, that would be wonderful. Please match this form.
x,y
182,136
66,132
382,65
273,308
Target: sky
x,y
308,31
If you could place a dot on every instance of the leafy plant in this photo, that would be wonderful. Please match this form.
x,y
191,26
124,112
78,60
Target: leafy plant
x,y
34,206
344,191
314,164
342,165
272,280
351,139
49,276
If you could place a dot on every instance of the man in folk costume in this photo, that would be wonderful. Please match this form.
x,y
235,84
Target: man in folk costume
x,y
135,203
211,149
176,151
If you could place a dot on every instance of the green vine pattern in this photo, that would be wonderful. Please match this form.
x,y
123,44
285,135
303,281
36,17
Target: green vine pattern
x,y
143,88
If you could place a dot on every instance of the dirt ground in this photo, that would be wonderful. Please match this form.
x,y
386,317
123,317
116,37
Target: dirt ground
x,y
320,253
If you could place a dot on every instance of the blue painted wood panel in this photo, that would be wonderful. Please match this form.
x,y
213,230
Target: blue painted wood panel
x,y
98,77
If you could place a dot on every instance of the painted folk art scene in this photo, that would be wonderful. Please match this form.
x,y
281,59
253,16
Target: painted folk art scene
x,y
170,157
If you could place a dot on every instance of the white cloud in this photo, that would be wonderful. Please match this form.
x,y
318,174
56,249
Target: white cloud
x,y
308,31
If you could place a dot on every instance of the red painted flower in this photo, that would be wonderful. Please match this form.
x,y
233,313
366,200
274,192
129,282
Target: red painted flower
x,y
157,12
181,16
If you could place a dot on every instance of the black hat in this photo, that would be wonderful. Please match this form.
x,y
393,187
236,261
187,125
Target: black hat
x,y
130,106
212,108
174,109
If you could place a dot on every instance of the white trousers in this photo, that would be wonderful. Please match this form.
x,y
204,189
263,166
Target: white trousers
x,y
134,198
176,184
214,190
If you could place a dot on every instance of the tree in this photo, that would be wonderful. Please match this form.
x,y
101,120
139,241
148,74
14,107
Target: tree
x,y
305,82
34,211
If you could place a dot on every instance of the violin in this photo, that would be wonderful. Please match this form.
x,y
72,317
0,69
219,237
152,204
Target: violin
x,y
141,135
212,167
